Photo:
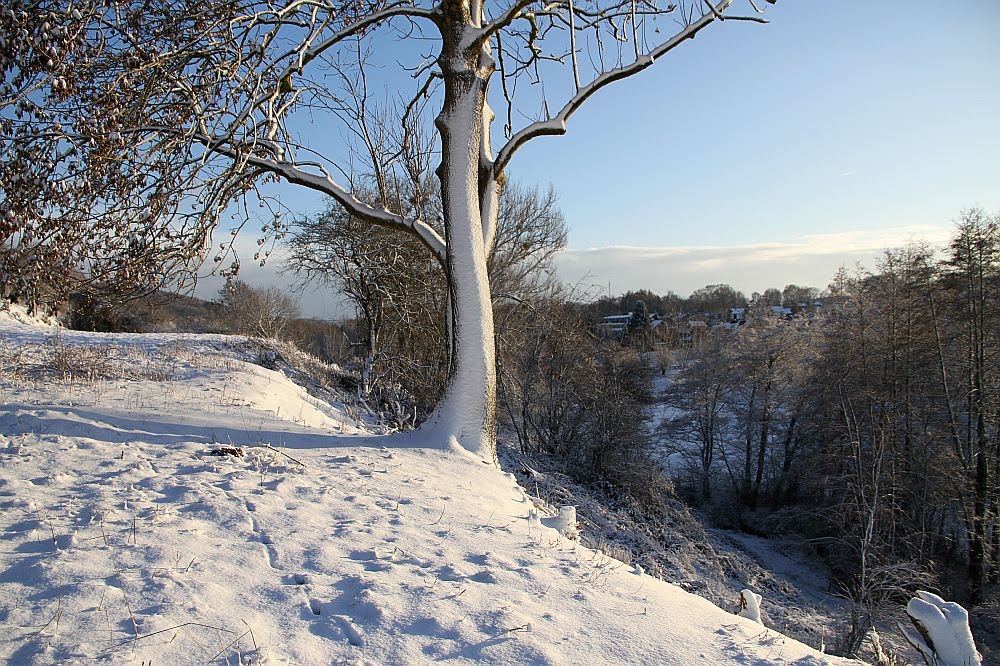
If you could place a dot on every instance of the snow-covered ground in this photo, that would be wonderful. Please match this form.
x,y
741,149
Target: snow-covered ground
x,y
122,538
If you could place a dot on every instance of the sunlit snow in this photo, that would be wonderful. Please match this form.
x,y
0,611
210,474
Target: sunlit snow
x,y
125,539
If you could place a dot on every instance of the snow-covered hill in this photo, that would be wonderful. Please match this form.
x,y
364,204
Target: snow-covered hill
x,y
123,538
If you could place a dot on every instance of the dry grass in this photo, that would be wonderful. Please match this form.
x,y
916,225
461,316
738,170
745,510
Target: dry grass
x,y
57,359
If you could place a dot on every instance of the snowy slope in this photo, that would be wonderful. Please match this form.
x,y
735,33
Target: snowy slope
x,y
123,539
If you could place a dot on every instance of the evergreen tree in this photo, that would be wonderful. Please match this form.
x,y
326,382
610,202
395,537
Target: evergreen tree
x,y
639,331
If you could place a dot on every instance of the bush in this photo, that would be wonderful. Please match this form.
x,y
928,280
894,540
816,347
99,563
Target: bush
x,y
570,394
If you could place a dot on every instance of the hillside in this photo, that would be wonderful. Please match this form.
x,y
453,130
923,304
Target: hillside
x,y
124,537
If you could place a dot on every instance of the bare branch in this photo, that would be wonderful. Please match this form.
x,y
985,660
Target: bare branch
x,y
556,125
293,173
373,19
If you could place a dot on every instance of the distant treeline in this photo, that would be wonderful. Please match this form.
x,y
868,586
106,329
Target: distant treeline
x,y
713,298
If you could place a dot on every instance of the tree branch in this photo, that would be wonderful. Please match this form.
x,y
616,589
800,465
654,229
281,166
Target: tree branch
x,y
348,31
513,12
556,125
325,184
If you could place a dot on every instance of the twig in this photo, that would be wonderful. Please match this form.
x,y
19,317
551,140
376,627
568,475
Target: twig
x,y
104,534
54,618
135,625
268,446
252,639
139,637
235,641
457,594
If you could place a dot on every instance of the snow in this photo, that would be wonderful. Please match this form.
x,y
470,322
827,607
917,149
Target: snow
x,y
123,538
940,631
750,605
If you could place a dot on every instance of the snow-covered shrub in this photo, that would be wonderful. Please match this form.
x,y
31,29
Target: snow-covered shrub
x,y
565,522
940,631
883,655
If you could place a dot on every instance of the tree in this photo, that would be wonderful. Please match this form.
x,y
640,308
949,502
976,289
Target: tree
x,y
257,312
400,293
571,394
129,130
639,328
793,294
772,296
765,354
716,298
974,279
697,396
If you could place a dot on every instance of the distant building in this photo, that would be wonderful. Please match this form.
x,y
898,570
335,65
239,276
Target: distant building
x,y
781,311
614,326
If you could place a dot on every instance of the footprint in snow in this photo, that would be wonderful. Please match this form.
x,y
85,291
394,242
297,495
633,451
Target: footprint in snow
x,y
297,579
478,559
484,576
350,631
368,555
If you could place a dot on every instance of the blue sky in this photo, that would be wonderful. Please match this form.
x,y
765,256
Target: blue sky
x,y
868,122
764,155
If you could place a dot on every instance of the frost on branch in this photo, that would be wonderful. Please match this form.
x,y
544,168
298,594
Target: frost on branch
x,y
940,631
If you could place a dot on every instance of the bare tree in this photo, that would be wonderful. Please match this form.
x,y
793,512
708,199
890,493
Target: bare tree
x,y
400,292
397,288
696,429
263,312
569,393
129,130
974,278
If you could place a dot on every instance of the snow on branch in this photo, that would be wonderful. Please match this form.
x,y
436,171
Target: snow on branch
x,y
556,124
293,173
398,9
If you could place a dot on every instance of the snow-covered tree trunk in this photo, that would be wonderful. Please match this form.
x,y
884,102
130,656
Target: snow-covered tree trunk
x,y
750,605
467,410
940,631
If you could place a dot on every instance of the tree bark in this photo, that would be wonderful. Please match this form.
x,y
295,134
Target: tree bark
x,y
467,410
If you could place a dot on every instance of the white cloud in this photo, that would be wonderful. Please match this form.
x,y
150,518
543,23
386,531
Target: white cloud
x,y
809,260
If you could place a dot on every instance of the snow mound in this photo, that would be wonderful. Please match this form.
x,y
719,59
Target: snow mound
x,y
940,631
12,312
133,528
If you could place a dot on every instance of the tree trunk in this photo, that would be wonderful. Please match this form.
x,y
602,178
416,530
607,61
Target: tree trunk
x,y
765,422
748,457
466,414
978,545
